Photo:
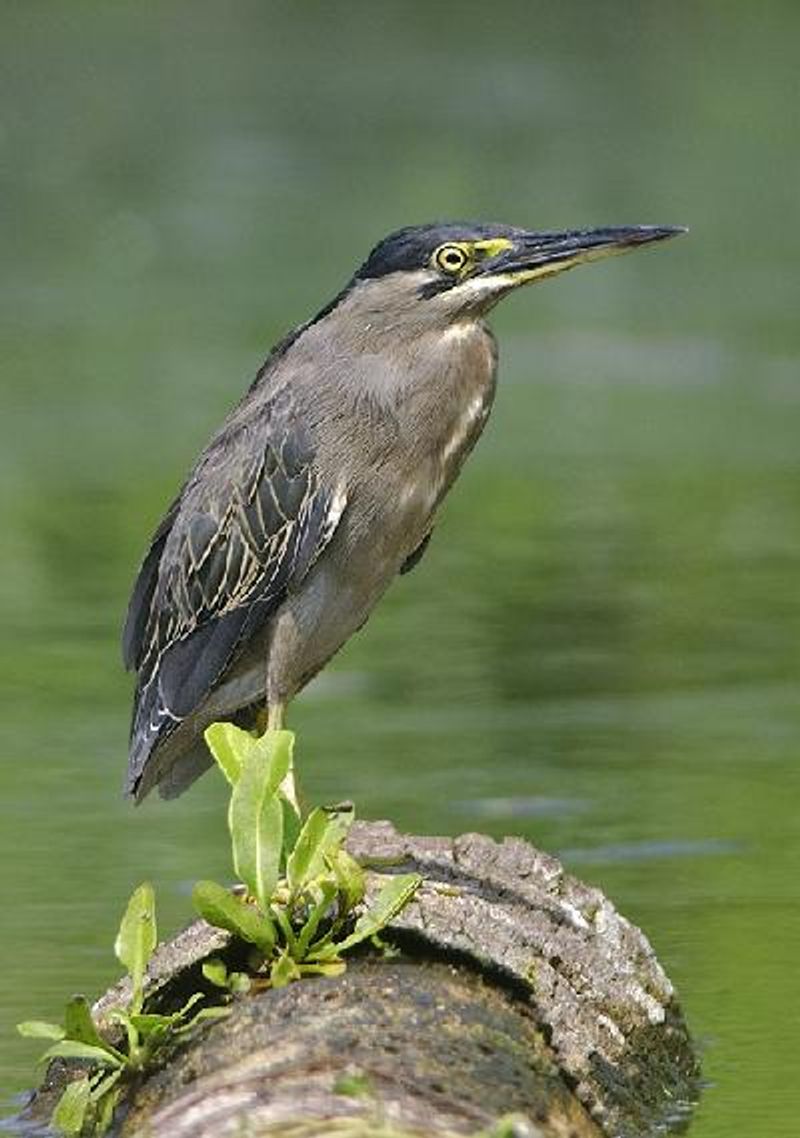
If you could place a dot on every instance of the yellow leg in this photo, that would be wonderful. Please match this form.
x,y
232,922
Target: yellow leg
x,y
269,718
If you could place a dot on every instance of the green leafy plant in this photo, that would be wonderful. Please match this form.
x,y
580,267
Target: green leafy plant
x,y
296,910
301,887
216,972
87,1103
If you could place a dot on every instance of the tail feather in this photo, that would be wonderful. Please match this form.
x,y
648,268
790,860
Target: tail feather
x,y
152,725
171,753
184,769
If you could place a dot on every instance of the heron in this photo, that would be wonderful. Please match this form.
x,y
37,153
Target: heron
x,y
324,482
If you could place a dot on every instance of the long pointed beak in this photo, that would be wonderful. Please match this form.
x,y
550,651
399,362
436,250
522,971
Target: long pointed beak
x,y
532,256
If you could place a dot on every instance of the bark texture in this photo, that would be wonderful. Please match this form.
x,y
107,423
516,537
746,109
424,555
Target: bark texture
x,y
590,977
418,1046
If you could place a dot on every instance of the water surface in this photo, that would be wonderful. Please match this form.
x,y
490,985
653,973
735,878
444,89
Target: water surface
x,y
599,650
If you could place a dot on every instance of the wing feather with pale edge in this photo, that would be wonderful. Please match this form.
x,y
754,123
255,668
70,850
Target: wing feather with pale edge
x,y
248,525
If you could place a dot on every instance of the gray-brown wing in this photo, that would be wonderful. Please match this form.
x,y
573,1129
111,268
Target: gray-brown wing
x,y
249,523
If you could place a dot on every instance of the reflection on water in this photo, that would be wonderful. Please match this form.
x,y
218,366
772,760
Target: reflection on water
x,y
600,649
649,851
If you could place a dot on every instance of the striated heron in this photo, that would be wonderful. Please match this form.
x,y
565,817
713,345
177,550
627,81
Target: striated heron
x,y
323,484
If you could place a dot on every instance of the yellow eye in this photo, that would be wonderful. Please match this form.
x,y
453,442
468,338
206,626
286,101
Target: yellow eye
x,y
450,258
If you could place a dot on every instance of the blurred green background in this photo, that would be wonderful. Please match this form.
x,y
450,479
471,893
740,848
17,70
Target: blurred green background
x,y
600,650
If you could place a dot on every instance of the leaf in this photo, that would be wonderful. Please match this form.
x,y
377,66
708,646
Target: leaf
x,y
216,1012
183,1012
350,879
255,815
291,827
79,1025
136,939
70,1110
104,1094
391,900
324,968
101,1084
216,972
394,896
323,833
327,891
283,971
387,951
105,1109
151,1024
285,926
72,1049
306,849
229,745
221,909
39,1029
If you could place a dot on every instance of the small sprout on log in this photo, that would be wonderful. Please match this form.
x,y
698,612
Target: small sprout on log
x,y
136,940
216,972
298,914
86,1105
71,1109
386,950
302,922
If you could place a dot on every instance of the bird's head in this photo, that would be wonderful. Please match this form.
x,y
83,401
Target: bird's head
x,y
463,268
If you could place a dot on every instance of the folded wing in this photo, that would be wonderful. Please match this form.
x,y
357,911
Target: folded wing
x,y
248,525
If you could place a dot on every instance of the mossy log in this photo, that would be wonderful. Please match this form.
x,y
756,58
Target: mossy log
x,y
519,994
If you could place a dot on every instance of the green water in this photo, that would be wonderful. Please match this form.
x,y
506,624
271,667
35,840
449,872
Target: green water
x,y
600,650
